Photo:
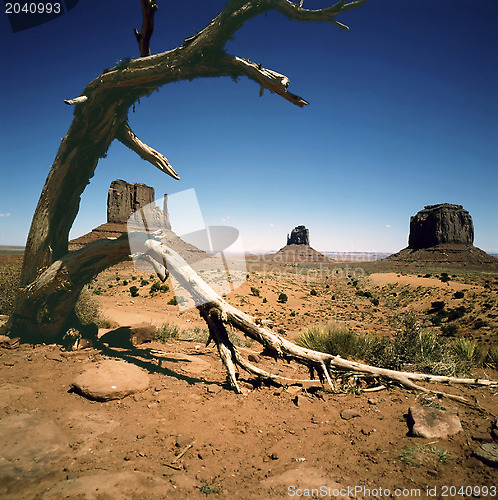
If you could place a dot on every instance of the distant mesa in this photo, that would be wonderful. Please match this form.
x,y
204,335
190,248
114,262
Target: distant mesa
x,y
441,224
442,233
299,236
298,248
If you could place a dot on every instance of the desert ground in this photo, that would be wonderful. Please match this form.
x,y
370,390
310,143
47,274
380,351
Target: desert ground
x,y
188,436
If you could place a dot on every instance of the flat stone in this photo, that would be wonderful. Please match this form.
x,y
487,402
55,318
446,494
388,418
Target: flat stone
x,y
482,437
126,484
488,453
213,388
8,343
432,423
111,380
349,413
32,450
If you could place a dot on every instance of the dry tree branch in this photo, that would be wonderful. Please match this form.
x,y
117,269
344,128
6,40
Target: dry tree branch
x,y
129,139
100,116
267,78
143,37
219,314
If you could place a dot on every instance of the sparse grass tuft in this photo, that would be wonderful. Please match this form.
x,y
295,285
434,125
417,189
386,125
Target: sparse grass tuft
x,y
168,331
491,358
411,348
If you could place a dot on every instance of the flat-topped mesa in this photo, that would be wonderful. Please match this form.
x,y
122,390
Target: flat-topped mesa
x,y
299,236
444,223
125,198
442,234
298,248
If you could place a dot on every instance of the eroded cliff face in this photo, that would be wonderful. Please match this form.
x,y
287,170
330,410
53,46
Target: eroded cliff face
x,y
299,236
125,198
441,224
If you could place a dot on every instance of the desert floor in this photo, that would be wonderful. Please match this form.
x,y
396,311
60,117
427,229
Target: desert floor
x,y
271,441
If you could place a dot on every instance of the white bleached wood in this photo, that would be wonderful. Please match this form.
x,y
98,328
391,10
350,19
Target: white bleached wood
x,y
202,293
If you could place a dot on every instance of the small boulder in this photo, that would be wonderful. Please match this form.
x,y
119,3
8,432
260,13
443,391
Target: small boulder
x,y
432,423
349,413
488,453
141,333
111,380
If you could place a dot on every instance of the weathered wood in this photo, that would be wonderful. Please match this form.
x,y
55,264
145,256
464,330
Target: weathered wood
x,y
143,37
47,303
100,116
218,312
130,140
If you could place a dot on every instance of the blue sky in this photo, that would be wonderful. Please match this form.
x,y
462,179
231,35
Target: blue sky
x,y
403,113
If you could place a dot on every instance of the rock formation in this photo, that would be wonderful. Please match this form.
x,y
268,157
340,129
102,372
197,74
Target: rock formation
x,y
126,198
299,236
298,248
442,234
441,224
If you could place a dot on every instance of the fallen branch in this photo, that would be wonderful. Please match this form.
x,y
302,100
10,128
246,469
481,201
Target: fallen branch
x,y
219,314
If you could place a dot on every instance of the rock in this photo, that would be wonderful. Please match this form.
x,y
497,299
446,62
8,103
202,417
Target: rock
x,y
488,453
299,236
32,449
442,233
213,388
440,224
254,358
8,343
494,434
482,437
130,336
182,441
142,333
111,380
432,423
126,484
124,198
300,481
472,463
298,248
349,413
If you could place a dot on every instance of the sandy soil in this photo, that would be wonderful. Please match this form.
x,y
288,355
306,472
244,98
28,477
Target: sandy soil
x,y
266,443
258,445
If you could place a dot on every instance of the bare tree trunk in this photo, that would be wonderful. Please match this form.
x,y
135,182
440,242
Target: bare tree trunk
x,y
100,116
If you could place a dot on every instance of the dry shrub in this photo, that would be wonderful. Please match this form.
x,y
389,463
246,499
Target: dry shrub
x,y
88,310
10,276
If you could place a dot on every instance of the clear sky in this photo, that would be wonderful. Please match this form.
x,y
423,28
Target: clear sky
x,y
403,113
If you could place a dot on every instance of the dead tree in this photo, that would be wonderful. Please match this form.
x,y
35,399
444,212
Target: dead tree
x,y
220,315
52,277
